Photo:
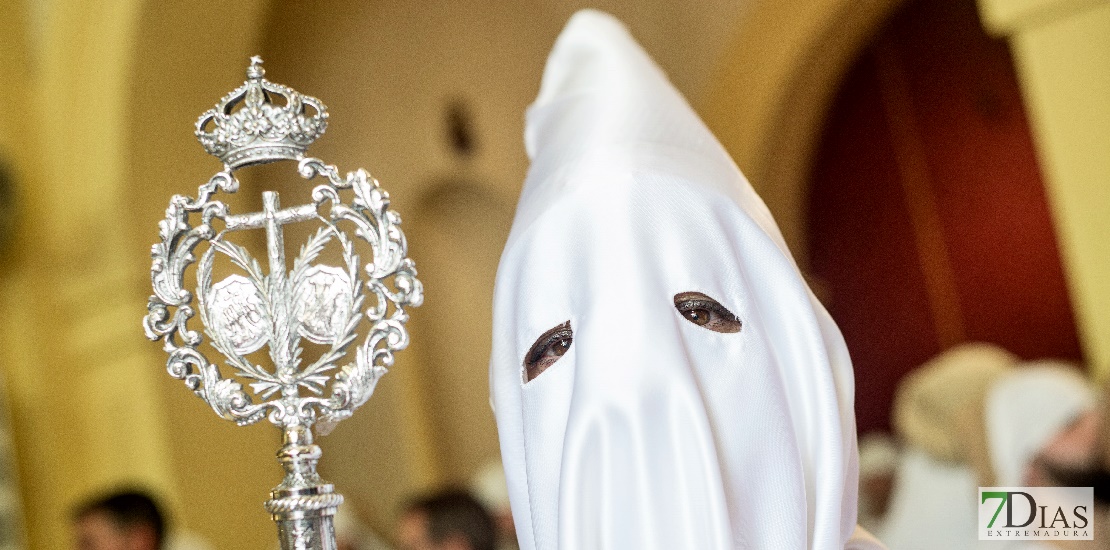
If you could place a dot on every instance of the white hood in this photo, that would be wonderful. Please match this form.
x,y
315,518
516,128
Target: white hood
x,y
652,432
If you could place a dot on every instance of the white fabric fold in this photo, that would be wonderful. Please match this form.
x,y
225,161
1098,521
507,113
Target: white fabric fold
x,y
652,432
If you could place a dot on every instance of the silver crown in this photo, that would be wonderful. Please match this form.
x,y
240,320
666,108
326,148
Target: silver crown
x,y
247,127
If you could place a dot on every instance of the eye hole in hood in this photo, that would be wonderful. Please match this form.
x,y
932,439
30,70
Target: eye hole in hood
x,y
548,348
706,312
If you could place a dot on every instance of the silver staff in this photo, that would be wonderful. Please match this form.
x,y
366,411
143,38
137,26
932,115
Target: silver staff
x,y
250,310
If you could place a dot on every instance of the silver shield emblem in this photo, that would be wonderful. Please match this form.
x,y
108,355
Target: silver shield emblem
x,y
323,303
238,314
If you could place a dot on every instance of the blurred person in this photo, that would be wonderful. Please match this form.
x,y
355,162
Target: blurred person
x,y
1041,418
1095,472
127,520
878,465
934,400
448,520
1042,422
932,503
661,374
1029,419
491,489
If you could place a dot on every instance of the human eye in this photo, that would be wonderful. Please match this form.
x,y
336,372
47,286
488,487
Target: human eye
x,y
706,312
548,348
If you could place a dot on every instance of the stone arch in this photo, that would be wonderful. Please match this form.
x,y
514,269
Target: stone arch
x,y
773,87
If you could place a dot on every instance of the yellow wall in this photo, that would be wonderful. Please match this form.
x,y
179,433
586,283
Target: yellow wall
x,y
1010,16
1062,52
68,336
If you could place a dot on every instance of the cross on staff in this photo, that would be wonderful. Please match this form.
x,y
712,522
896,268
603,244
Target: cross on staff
x,y
319,302
272,218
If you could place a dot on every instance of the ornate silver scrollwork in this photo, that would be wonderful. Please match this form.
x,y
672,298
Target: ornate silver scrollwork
x,y
277,309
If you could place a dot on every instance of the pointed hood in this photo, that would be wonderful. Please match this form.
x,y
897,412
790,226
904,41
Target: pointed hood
x,y
691,391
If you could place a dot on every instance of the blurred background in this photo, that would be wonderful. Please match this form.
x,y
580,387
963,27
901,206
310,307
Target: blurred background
x,y
940,169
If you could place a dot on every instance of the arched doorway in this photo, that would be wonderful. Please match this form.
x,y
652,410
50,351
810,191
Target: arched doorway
x,y
928,221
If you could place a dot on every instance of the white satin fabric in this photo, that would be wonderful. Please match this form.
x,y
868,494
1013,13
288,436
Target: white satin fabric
x,y
652,432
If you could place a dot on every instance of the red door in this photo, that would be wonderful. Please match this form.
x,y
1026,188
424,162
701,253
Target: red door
x,y
928,220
